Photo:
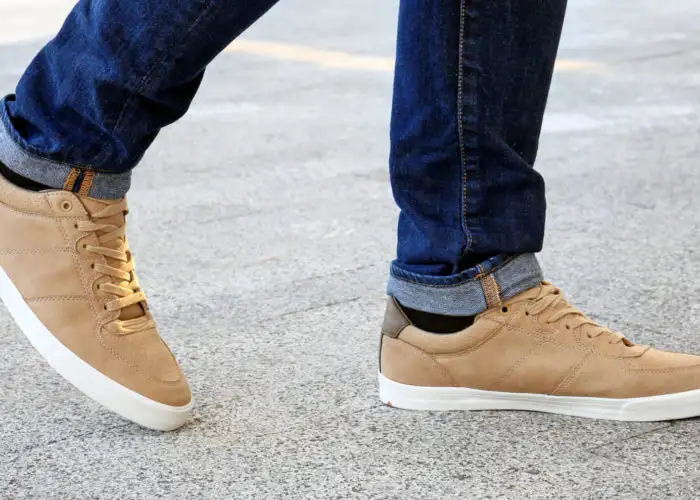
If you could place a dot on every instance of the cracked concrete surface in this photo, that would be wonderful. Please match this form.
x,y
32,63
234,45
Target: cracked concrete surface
x,y
273,198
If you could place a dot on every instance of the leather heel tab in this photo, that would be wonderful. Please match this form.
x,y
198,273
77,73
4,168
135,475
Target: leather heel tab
x,y
395,319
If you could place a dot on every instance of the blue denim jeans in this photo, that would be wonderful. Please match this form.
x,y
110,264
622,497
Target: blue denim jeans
x,y
471,84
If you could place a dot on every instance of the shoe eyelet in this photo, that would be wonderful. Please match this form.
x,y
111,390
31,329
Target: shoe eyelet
x,y
92,266
568,327
504,309
527,313
75,225
66,206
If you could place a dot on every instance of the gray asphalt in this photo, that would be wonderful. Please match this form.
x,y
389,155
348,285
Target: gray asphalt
x,y
263,226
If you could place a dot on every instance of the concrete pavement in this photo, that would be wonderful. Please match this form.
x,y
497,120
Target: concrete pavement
x,y
263,226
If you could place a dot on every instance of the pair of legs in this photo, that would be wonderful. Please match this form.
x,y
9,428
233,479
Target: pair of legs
x,y
471,84
472,79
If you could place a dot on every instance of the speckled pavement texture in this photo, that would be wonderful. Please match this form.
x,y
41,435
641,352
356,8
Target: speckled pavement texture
x,y
263,225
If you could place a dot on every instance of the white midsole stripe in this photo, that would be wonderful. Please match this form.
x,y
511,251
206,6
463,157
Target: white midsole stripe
x,y
652,408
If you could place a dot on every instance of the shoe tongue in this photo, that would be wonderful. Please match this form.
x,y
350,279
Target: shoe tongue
x,y
132,312
93,206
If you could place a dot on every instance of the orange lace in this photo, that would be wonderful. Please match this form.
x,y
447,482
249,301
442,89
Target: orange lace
x,y
125,287
551,298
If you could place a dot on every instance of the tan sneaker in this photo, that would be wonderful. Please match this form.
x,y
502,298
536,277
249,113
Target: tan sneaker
x,y
67,278
535,353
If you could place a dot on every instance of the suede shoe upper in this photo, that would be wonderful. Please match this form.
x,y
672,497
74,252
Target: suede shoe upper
x,y
534,343
69,258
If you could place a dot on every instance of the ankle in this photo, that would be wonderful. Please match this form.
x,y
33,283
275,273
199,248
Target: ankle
x,y
19,181
437,323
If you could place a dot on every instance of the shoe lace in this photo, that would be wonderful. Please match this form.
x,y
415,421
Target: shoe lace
x,y
551,299
124,285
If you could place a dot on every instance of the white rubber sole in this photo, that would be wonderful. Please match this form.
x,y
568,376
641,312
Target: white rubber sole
x,y
649,409
121,400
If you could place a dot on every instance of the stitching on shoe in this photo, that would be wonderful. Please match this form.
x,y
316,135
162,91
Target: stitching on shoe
x,y
76,258
57,298
483,342
95,314
520,361
134,367
99,325
76,262
35,199
28,251
424,355
571,376
662,370
35,215
538,333
28,214
578,345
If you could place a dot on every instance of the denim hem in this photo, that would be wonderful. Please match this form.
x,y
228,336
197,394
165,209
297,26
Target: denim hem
x,y
52,173
484,267
472,295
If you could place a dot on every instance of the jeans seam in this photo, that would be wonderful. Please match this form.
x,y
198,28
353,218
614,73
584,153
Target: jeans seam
x,y
151,71
460,123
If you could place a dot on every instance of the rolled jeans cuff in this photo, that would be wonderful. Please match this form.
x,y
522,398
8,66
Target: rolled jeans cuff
x,y
79,179
468,293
